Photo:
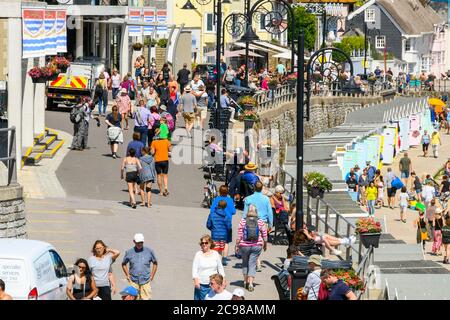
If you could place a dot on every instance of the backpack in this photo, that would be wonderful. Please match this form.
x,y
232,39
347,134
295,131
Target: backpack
x,y
76,114
98,90
251,231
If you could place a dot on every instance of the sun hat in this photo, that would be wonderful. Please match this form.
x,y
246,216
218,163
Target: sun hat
x,y
251,166
316,259
238,292
187,89
163,107
139,237
123,90
129,291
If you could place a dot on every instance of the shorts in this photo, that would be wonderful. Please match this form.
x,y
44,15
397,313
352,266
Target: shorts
x,y
145,290
219,245
132,177
391,192
162,167
404,174
202,112
446,240
189,117
425,146
403,207
418,191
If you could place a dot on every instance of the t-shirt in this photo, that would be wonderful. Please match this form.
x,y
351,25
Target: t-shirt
x,y
312,284
183,75
161,148
428,193
371,193
203,101
446,186
137,146
404,164
100,269
435,138
110,118
417,183
224,295
188,101
338,291
404,199
390,176
163,131
426,139
281,68
116,79
195,86
224,102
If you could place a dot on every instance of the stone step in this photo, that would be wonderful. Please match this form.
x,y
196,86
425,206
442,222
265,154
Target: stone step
x,y
51,151
398,252
44,143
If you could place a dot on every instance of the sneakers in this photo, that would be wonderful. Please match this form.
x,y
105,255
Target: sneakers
x,y
336,252
224,261
250,287
352,240
114,156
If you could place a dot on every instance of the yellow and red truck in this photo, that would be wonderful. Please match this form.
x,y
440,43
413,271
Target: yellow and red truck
x,y
77,81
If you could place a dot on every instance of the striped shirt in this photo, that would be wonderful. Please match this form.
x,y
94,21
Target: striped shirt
x,y
261,238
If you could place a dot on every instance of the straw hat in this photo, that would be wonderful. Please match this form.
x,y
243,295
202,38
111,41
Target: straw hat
x,y
251,166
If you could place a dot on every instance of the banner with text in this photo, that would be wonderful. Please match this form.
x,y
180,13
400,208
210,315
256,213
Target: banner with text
x,y
33,32
134,15
149,17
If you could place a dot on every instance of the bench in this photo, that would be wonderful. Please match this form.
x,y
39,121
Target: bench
x,y
281,284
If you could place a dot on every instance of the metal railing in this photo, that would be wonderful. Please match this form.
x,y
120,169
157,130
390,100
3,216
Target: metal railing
x,y
10,160
439,85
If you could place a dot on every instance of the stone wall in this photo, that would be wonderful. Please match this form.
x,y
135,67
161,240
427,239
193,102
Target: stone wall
x,y
325,113
12,212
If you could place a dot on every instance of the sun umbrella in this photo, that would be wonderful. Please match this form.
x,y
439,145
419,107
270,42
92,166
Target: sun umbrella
x,y
438,104
227,54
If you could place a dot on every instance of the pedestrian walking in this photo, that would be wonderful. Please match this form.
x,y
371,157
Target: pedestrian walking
x,y
446,239
251,240
422,230
435,143
116,79
218,292
206,263
81,285
219,223
379,183
3,294
154,124
428,193
160,149
188,106
417,186
403,202
202,108
363,183
147,176
229,76
131,167
142,267
425,141
183,77
100,263
124,104
312,285
114,132
438,224
165,71
101,94
142,119
391,191
88,115
405,167
77,118
230,210
371,194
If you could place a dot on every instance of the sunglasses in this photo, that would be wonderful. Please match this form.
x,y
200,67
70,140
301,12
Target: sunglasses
x,y
202,243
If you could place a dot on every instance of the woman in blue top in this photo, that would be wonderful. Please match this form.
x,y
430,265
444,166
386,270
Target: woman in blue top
x,y
230,210
219,222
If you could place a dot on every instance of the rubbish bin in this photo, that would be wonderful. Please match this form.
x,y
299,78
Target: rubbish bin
x,y
299,270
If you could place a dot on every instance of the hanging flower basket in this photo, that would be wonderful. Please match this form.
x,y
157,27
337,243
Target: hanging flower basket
x,y
40,74
369,232
315,192
370,239
317,183
61,63
137,46
39,80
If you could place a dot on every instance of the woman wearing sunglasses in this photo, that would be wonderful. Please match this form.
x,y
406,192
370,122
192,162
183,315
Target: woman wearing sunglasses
x,y
81,286
206,263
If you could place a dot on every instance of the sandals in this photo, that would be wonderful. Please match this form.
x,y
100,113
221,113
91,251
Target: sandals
x,y
133,205
165,193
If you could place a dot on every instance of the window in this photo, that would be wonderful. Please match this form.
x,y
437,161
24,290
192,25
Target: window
x,y
369,15
426,61
380,42
408,45
262,21
58,264
209,23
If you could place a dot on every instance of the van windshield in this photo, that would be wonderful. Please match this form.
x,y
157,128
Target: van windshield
x,y
13,273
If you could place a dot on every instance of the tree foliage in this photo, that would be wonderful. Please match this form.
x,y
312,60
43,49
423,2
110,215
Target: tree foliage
x,y
307,22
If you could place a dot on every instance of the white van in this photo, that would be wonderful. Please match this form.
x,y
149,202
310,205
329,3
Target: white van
x,y
32,270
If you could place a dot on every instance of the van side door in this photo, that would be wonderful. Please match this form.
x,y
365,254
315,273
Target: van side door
x,y
46,280
61,275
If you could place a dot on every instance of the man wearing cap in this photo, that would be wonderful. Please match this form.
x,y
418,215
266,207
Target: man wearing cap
x,y
129,293
313,281
238,294
139,274
188,105
183,77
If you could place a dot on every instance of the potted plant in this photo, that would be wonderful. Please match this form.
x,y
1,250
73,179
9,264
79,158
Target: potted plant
x,y
248,102
39,74
61,63
137,46
369,232
317,183
292,79
249,117
162,43
272,84
351,279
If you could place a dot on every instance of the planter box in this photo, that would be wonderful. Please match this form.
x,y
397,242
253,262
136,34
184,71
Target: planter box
x,y
248,124
39,80
316,192
63,69
370,239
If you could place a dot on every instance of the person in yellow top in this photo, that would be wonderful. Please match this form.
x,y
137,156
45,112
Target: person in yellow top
x,y
371,195
435,143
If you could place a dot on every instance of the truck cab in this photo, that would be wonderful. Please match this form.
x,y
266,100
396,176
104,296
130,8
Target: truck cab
x,y
77,81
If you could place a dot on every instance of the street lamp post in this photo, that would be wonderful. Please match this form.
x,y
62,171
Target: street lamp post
x,y
365,50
